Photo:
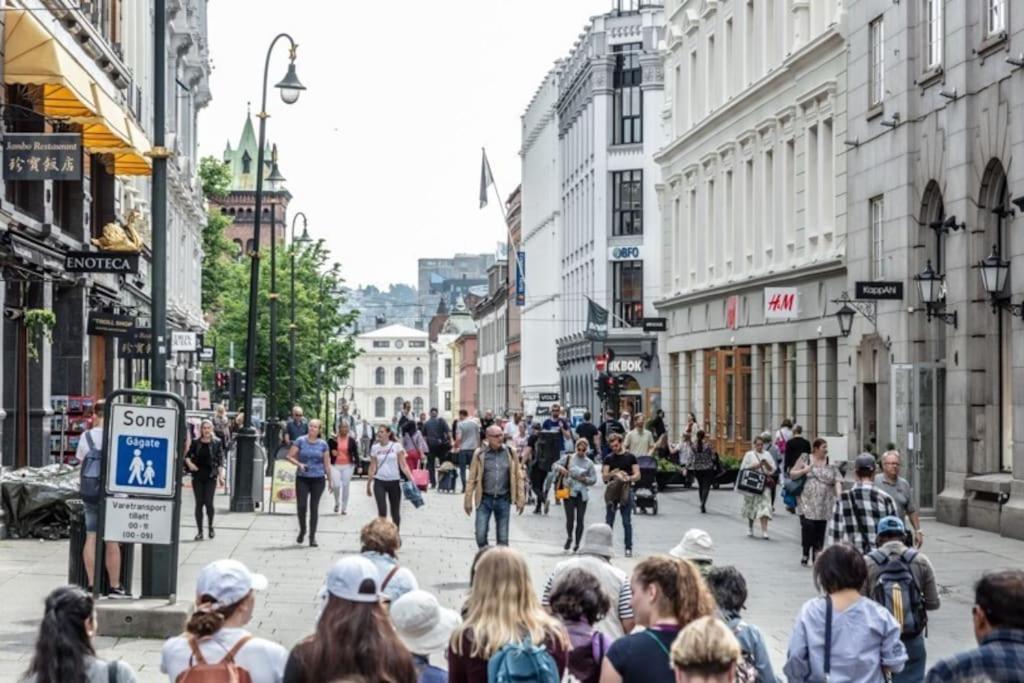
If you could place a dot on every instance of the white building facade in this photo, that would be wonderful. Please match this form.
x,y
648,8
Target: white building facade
x,y
609,106
392,367
491,319
753,200
541,230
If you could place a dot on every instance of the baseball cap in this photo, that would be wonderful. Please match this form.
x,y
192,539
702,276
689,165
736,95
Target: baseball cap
x,y
864,461
696,545
228,581
347,579
422,624
890,525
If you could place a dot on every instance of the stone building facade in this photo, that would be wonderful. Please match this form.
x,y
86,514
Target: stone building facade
x,y
392,367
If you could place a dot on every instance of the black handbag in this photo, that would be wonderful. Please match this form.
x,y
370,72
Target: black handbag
x,y
751,481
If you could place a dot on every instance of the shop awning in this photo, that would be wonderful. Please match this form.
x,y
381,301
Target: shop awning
x,y
34,57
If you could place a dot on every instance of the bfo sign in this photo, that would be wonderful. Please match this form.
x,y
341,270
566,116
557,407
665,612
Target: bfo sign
x,y
627,365
781,303
631,253
142,450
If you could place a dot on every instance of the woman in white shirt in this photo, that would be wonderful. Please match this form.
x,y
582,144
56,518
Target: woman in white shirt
x,y
224,605
387,465
758,505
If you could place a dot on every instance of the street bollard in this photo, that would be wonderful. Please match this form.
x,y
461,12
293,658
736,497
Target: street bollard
x,y
76,565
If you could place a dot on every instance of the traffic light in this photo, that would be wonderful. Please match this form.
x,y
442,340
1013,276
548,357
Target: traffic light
x,y
600,386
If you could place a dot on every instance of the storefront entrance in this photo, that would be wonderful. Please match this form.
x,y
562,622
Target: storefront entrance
x,y
918,420
727,399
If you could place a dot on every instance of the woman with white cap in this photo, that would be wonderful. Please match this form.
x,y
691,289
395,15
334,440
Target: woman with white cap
x,y
425,627
215,632
353,635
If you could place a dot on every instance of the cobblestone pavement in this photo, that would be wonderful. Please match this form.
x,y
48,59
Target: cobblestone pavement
x,y
439,545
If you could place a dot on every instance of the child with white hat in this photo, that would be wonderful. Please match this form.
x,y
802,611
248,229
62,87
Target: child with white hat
x,y
425,627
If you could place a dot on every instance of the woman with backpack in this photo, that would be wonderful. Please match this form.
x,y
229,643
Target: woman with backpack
x,y
215,640
505,630
576,475
668,593
205,462
729,588
387,468
701,461
579,602
844,635
64,651
312,459
354,636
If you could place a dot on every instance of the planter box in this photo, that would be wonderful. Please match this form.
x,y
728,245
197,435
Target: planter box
x,y
666,479
727,479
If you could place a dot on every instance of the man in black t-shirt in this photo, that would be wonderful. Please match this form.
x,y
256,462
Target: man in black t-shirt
x,y
620,469
588,431
795,448
611,425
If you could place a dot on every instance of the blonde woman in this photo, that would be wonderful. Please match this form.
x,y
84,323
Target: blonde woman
x,y
706,651
502,609
578,474
312,459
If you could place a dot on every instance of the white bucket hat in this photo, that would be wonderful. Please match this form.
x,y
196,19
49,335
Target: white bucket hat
x,y
696,545
348,575
228,581
422,624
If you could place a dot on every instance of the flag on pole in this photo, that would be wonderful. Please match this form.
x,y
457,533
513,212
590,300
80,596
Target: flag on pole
x,y
597,321
486,179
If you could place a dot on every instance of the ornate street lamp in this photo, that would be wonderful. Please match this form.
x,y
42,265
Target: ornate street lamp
x,y
850,308
845,317
241,491
931,286
994,273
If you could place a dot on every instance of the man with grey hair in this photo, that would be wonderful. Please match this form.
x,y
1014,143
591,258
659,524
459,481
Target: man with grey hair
x,y
898,488
296,426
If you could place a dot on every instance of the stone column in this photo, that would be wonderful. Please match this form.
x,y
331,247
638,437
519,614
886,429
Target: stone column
x,y
39,373
801,23
757,417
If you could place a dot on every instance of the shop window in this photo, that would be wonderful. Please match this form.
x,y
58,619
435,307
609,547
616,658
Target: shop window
x,y
628,282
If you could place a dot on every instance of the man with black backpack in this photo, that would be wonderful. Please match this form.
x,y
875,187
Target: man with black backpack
x,y
90,457
902,580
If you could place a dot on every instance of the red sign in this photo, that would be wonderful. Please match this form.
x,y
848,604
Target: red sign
x,y
732,318
781,303
601,362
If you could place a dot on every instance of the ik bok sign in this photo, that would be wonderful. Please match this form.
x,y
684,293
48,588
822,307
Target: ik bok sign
x,y
781,303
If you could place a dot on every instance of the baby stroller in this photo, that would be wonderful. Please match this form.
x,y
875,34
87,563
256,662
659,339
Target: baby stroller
x,y
447,475
646,491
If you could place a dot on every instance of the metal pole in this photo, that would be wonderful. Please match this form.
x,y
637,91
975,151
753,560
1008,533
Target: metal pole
x,y
241,490
292,327
272,421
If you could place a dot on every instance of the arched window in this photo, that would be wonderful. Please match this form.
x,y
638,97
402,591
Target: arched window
x,y
378,376
399,376
398,405
417,376
417,404
246,162
379,406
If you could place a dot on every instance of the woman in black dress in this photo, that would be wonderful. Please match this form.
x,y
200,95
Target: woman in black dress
x,y
205,461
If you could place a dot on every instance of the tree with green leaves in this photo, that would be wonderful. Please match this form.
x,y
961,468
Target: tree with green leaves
x,y
215,178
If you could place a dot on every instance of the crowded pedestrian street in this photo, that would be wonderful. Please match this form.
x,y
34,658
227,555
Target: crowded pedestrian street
x,y
438,546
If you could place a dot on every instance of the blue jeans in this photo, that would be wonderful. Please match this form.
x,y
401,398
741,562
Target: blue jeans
x,y
501,508
914,668
627,519
463,461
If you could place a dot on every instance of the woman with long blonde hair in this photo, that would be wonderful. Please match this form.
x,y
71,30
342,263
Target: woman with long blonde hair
x,y
502,609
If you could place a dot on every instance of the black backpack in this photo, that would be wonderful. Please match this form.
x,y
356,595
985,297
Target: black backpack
x,y
896,589
90,476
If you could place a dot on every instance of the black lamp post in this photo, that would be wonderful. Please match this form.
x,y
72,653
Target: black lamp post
x,y
322,387
290,89
849,310
275,179
303,239
845,318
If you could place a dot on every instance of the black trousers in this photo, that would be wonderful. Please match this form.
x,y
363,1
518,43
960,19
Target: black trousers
x,y
704,480
537,477
204,487
812,534
388,493
435,454
575,509
305,489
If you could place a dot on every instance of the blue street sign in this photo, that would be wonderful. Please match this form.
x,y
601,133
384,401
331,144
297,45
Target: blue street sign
x,y
144,451
142,462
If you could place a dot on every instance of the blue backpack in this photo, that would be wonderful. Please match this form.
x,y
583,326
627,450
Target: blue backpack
x,y
91,474
522,662
897,591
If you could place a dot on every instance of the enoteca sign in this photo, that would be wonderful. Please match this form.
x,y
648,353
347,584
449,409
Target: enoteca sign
x,y
42,156
781,303
101,262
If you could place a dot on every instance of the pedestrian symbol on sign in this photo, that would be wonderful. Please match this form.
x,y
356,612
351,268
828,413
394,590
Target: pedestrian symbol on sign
x,y
142,462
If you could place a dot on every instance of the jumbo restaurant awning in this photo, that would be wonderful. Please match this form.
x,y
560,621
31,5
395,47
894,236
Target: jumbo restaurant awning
x,y
34,57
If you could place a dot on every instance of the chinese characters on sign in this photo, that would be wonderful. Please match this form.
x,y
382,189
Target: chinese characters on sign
x,y
137,344
781,303
42,156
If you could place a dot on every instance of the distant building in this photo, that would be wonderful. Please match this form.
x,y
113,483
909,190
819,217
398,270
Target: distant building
x,y
390,369
464,385
443,370
513,354
491,319
449,279
240,202
398,305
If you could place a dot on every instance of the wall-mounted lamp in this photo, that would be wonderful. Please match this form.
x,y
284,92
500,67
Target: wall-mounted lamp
x,y
850,308
932,287
1019,203
994,272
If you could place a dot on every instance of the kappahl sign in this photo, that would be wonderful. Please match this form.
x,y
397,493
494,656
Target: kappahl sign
x,y
781,303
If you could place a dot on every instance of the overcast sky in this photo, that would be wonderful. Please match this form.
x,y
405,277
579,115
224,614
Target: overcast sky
x,y
382,152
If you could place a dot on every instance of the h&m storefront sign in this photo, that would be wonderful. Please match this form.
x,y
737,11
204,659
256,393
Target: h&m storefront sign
x,y
42,156
101,262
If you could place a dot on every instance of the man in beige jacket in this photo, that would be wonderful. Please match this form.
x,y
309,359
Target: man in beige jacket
x,y
495,484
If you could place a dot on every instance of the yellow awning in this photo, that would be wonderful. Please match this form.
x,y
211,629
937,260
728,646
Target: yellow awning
x,y
34,57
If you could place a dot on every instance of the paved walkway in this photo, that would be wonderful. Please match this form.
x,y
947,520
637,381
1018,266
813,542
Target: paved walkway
x,y
439,547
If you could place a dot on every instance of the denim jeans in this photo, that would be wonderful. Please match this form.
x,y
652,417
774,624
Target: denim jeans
x,y
627,519
914,668
465,457
501,508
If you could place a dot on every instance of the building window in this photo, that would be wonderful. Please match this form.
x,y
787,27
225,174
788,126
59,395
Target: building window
x,y
448,401
381,344
933,33
378,377
417,404
995,16
627,203
246,162
399,376
417,344
398,405
447,368
628,98
628,280
417,376
876,217
379,406
876,63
